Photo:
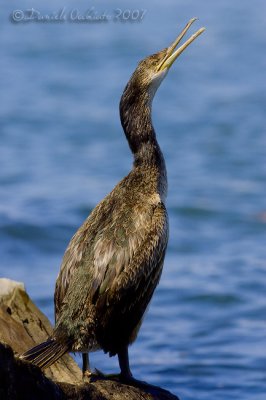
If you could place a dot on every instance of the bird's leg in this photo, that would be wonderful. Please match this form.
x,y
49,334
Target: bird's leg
x,y
124,364
126,375
86,372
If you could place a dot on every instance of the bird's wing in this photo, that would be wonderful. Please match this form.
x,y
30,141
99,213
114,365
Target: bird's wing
x,y
137,257
123,295
78,249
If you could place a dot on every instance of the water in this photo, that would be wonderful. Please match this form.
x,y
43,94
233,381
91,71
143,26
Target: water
x,y
62,149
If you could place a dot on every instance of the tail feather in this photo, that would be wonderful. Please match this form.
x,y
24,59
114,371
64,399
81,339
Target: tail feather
x,y
45,354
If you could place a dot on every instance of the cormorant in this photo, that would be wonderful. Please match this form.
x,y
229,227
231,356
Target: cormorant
x,y
114,261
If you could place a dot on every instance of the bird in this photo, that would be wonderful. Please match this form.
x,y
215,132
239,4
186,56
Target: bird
x,y
114,261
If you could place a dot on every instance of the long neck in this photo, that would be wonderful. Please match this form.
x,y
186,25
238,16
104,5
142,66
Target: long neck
x,y
135,114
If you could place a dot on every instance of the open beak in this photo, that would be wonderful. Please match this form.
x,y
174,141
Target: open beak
x,y
172,54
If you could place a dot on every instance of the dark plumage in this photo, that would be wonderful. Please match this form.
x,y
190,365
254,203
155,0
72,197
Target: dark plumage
x,y
114,261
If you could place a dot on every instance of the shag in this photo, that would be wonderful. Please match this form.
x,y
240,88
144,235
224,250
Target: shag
x,y
114,261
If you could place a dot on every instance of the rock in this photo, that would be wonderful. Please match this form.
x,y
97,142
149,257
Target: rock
x,y
22,326
20,380
7,287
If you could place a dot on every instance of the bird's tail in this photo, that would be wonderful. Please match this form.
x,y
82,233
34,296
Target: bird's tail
x,y
45,354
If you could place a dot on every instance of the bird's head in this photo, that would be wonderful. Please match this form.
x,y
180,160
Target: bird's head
x,y
151,71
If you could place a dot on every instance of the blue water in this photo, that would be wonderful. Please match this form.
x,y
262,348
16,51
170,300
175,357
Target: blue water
x,y
62,150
